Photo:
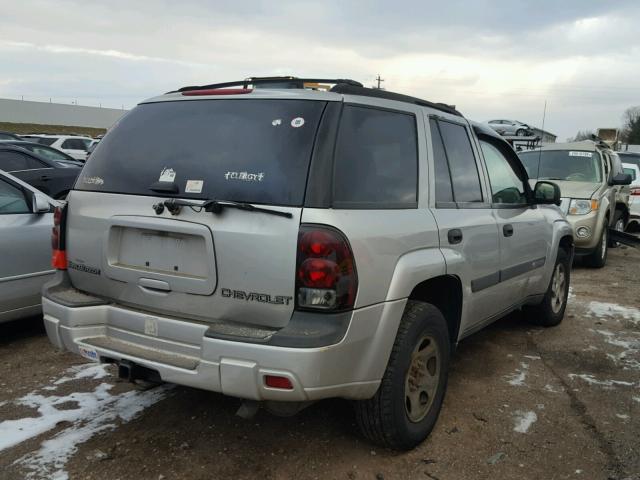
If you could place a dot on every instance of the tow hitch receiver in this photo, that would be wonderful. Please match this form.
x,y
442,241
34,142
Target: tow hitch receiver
x,y
131,372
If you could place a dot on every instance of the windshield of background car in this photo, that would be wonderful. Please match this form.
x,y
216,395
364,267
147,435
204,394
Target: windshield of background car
x,y
254,151
570,165
47,152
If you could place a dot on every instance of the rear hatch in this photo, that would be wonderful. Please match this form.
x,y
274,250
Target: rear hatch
x,y
233,265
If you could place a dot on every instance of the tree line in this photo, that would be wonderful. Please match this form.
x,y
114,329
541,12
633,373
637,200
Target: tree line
x,y
629,133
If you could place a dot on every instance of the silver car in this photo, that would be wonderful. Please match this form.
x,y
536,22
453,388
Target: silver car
x,y
284,245
26,219
508,128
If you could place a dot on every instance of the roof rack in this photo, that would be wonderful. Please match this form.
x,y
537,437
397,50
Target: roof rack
x,y
282,82
377,93
340,85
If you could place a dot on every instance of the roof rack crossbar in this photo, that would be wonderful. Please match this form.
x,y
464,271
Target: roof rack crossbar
x,y
299,82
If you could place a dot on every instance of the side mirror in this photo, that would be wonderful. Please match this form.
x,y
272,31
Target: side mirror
x,y
621,179
546,193
40,204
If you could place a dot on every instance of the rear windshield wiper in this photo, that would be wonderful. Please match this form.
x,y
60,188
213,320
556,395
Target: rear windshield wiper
x,y
214,206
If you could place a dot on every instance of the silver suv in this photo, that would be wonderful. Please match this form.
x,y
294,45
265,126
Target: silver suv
x,y
292,242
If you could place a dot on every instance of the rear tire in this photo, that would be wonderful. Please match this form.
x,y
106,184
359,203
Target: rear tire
x,y
598,258
550,311
618,224
405,408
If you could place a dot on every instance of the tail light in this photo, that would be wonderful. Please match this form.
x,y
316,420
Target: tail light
x,y
326,277
635,191
59,257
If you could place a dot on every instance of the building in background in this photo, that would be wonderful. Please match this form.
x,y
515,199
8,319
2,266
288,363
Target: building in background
x,y
14,113
545,137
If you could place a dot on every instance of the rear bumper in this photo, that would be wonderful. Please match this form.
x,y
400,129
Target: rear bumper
x,y
182,353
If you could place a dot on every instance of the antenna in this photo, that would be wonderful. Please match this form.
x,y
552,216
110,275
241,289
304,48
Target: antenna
x,y
544,116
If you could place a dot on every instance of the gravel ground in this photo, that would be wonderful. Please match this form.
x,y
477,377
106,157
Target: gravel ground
x,y
523,402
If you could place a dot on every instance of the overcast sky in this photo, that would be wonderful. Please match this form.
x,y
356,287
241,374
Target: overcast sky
x,y
492,59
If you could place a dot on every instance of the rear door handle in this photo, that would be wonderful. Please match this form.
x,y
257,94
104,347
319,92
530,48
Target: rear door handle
x,y
45,177
454,236
507,230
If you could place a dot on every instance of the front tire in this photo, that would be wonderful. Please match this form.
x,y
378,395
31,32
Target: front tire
x,y
520,132
405,408
550,311
618,225
598,258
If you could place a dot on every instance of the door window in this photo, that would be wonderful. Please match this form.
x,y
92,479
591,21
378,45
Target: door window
x,y
12,199
506,187
444,189
14,161
461,161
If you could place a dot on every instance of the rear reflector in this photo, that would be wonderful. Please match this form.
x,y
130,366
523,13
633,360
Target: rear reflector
x,y
274,381
217,91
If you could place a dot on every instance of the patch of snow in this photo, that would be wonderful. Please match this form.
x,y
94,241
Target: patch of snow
x,y
517,379
533,357
603,383
612,310
96,411
636,399
622,416
94,371
571,294
631,348
524,420
552,389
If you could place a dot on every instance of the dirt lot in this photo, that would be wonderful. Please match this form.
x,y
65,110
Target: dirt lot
x,y
523,402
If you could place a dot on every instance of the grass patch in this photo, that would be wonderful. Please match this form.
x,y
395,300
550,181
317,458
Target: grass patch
x,y
24,128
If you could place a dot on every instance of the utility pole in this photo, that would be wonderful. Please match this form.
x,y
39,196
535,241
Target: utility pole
x,y
379,80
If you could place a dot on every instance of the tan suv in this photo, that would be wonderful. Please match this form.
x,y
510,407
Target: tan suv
x,y
593,187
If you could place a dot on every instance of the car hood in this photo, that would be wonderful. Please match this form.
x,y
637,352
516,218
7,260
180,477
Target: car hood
x,y
574,189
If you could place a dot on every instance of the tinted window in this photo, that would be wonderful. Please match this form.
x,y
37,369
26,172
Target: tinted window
x,y
630,171
14,161
444,191
630,157
462,163
45,140
47,152
376,161
74,144
6,136
12,199
506,187
243,150
571,165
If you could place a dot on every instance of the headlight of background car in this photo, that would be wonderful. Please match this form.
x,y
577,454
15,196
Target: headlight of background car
x,y
582,207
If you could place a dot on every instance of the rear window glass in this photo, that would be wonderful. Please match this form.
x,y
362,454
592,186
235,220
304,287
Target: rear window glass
x,y
254,151
376,161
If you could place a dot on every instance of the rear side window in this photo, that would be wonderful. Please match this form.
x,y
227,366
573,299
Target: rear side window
x,y
245,150
74,144
376,159
444,189
45,140
460,159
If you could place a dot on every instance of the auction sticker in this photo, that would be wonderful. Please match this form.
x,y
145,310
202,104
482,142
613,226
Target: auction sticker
x,y
194,186
89,353
297,122
580,154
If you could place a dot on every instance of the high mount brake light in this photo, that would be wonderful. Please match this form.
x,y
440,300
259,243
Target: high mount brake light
x,y
326,277
217,91
58,244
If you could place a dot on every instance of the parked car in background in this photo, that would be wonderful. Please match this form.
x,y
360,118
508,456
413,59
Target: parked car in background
x,y
92,147
630,157
53,177
8,136
26,219
634,195
73,145
591,181
42,151
365,271
508,128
